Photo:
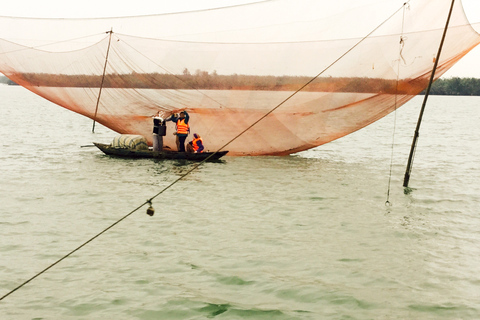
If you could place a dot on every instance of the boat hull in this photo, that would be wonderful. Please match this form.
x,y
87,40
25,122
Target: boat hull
x,y
162,155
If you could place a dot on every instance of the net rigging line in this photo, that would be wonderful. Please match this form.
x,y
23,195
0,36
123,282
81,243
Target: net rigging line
x,y
48,44
171,73
400,58
149,201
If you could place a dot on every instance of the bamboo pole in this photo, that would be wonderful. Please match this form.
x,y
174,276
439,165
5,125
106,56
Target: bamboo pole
x,y
417,130
103,79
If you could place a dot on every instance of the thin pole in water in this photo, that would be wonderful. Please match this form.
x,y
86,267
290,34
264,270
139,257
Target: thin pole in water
x,y
103,78
427,92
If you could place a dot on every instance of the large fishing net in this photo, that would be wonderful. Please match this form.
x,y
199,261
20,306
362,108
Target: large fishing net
x,y
352,62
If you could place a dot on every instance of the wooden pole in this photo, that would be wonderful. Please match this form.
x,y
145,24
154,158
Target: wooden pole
x,y
103,78
427,92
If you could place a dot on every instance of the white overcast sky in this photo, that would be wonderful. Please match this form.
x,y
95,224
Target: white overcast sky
x,y
468,67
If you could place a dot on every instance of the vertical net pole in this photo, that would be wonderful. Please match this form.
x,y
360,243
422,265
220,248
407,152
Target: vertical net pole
x,y
427,92
103,79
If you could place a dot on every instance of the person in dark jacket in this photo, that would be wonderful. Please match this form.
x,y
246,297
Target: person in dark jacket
x,y
159,131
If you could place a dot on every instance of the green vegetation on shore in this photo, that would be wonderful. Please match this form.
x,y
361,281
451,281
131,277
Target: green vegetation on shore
x,y
456,87
5,80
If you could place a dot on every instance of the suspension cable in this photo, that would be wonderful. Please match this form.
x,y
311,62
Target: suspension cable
x,y
48,44
200,163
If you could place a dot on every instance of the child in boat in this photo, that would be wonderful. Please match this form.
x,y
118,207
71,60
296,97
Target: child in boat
x,y
196,145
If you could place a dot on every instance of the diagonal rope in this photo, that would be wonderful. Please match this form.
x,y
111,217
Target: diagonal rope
x,y
71,252
200,163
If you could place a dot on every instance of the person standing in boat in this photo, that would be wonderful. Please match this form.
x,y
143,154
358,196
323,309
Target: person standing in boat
x,y
196,145
159,131
183,128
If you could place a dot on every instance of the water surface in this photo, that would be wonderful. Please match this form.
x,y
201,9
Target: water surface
x,y
306,236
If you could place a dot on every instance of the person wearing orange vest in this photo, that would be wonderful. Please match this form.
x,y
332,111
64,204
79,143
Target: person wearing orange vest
x,y
196,145
183,129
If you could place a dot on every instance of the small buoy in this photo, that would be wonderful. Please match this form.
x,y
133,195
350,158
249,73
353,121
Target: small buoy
x,y
150,210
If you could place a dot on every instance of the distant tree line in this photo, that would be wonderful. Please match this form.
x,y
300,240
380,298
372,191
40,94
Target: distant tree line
x,y
206,81
202,80
456,87
213,81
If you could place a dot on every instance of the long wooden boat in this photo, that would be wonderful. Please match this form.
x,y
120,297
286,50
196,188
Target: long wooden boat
x,y
165,154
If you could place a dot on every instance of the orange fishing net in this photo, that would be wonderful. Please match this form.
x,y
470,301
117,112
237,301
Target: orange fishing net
x,y
228,67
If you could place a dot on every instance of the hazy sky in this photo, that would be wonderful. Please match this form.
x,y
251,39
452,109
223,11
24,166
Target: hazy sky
x,y
468,67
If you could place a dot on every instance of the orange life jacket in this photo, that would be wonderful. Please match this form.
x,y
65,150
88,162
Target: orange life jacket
x,y
182,127
195,145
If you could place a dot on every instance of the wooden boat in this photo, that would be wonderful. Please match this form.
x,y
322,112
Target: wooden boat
x,y
165,154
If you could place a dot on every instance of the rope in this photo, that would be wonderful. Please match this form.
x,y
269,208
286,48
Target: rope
x,y
387,202
72,252
401,44
200,163
48,44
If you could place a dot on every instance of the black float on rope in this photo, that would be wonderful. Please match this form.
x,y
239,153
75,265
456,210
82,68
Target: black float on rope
x,y
150,209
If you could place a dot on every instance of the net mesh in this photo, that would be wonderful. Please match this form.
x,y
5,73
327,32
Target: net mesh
x,y
228,67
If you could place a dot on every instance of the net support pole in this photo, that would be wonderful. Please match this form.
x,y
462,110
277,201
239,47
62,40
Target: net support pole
x,y
103,79
427,92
